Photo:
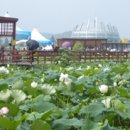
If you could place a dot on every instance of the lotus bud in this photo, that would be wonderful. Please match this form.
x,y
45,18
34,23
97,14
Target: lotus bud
x,y
34,84
103,89
4,110
8,65
115,84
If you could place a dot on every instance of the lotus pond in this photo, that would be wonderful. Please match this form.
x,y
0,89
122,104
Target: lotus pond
x,y
90,96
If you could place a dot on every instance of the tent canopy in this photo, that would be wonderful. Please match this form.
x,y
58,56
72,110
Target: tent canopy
x,y
22,35
36,35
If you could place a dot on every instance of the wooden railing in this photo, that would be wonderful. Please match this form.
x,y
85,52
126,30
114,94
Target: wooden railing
x,y
43,57
107,52
15,56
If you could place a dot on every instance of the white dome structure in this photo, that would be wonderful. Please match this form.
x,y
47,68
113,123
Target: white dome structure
x,y
96,30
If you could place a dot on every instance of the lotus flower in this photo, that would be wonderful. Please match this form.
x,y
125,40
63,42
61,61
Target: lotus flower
x,y
34,84
4,110
4,70
47,89
107,102
103,88
63,77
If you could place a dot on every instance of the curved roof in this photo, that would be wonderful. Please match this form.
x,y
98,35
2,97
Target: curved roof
x,y
96,29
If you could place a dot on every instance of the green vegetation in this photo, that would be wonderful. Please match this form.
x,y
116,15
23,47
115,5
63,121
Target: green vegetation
x,y
91,96
78,46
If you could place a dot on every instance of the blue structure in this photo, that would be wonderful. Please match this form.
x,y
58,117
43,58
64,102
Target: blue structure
x,y
20,35
34,35
45,42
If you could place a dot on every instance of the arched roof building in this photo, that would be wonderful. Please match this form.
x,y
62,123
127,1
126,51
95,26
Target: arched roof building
x,y
96,30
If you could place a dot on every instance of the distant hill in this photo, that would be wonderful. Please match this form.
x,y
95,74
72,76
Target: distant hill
x,y
64,34
59,35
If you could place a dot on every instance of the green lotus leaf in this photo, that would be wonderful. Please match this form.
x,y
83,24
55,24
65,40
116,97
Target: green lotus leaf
x,y
33,116
42,106
40,125
93,109
90,125
5,123
117,104
18,84
66,124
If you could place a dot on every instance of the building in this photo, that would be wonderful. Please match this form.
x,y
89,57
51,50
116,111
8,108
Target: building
x,y
96,30
7,31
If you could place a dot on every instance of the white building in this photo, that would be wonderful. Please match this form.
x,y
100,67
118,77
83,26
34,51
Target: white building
x,y
95,30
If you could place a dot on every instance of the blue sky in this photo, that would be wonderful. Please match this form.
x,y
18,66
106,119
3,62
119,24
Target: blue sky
x,y
56,16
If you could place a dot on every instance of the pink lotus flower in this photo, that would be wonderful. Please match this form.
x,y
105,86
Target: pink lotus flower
x,y
4,110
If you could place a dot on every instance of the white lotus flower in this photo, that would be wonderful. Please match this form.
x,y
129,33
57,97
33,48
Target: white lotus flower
x,y
68,81
42,79
79,68
47,89
99,65
34,84
52,90
18,95
106,69
4,70
107,102
4,110
88,67
7,71
115,84
8,65
63,77
103,88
